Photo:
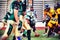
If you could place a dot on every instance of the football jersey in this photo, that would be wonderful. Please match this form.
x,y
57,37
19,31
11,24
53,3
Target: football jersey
x,y
18,6
53,20
48,15
31,15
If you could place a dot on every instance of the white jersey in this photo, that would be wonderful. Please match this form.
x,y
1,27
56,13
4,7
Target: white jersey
x,y
32,14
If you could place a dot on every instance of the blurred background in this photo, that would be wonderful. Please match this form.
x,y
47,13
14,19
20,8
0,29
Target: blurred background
x,y
37,4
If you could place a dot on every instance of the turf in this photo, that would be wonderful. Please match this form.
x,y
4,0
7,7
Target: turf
x,y
36,38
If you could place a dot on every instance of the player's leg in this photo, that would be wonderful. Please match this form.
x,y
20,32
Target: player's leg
x,y
29,34
8,32
17,32
24,33
46,26
58,31
50,32
34,30
28,28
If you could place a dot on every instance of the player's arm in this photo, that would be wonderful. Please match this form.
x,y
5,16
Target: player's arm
x,y
44,15
16,13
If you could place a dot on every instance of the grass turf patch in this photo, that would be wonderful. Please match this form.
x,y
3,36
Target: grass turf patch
x,y
35,38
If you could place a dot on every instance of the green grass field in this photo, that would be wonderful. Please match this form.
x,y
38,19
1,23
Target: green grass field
x,y
35,38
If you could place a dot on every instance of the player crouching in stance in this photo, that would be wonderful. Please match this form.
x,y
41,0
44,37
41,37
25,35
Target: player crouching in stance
x,y
46,17
32,18
13,20
52,23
